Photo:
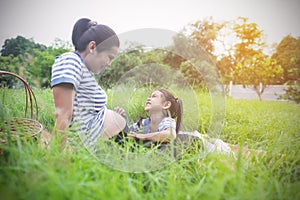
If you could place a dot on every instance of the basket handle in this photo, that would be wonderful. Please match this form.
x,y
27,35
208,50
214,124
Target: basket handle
x,y
29,95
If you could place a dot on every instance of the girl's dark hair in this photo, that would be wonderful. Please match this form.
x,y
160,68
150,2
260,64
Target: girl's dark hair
x,y
85,31
176,109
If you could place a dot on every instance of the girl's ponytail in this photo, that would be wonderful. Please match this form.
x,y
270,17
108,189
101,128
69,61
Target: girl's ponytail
x,y
176,109
179,112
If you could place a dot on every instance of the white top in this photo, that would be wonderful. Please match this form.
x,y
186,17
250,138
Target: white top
x,y
143,125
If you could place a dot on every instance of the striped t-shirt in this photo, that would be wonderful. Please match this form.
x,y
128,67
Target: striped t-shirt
x,y
90,99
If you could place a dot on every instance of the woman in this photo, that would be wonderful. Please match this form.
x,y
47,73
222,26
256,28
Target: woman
x,y
77,96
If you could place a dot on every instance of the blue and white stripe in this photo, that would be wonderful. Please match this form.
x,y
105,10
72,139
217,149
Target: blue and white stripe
x,y
90,99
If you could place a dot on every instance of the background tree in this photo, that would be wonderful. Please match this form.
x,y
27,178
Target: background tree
x,y
205,32
258,71
288,56
30,60
215,38
20,46
127,61
226,69
225,50
187,57
41,66
120,66
250,40
252,67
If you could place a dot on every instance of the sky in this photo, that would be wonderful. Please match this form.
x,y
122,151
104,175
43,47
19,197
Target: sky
x,y
45,20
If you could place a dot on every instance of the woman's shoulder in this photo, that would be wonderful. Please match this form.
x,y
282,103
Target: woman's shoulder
x,y
67,67
68,61
68,55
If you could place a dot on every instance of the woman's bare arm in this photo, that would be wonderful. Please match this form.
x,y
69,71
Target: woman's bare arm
x,y
63,100
63,95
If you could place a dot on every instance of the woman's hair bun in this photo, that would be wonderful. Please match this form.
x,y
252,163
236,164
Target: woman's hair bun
x,y
79,28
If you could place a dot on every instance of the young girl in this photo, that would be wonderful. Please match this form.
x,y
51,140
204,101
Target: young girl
x,y
163,109
164,121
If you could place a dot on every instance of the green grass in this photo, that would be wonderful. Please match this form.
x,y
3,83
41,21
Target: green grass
x,y
28,171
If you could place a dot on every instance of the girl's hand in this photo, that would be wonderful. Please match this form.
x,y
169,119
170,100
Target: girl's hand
x,y
121,111
131,135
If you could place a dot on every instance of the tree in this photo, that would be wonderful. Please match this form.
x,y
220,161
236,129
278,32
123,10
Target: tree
x,y
187,57
20,46
15,65
251,66
218,40
121,65
153,56
258,71
29,60
250,40
226,68
200,74
205,32
41,66
288,56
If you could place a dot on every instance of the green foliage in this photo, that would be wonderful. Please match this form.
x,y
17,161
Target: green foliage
x,y
191,60
41,66
173,60
251,41
292,92
16,65
151,74
31,61
205,32
226,68
122,64
20,46
136,64
258,71
288,56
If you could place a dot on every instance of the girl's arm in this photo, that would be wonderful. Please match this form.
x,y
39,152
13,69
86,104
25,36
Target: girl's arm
x,y
162,136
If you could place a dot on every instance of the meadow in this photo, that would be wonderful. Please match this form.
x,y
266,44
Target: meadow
x,y
30,171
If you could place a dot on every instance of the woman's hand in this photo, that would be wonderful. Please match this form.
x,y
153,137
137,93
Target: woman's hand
x,y
120,111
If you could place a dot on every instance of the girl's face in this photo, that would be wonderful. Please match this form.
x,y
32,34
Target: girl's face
x,y
156,102
97,61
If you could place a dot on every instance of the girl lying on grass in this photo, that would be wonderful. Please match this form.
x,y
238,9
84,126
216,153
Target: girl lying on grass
x,y
160,126
164,121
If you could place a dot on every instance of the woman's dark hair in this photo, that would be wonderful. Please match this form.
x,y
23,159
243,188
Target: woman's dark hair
x,y
85,31
176,109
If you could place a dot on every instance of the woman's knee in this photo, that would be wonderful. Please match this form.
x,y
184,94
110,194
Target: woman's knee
x,y
113,124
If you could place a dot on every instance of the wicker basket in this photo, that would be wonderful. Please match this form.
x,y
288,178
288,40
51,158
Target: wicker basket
x,y
22,127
